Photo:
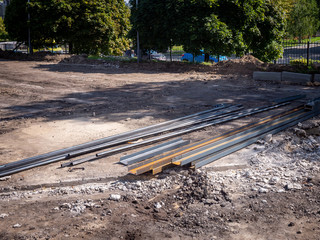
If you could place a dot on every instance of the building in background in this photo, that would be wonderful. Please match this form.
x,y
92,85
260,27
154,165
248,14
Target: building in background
x,y
3,5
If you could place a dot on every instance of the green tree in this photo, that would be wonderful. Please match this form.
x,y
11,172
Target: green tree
x,y
16,20
220,27
3,32
91,27
156,22
303,19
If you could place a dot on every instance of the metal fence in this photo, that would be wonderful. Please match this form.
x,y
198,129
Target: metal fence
x,y
306,52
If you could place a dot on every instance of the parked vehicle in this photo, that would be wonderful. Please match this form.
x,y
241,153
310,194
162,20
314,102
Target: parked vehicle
x,y
188,57
158,56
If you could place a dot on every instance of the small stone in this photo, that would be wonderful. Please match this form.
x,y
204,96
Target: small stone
x,y
259,148
268,138
157,205
274,180
16,225
66,205
3,215
291,224
297,186
179,214
115,197
289,186
5,178
263,190
300,132
264,201
299,232
56,209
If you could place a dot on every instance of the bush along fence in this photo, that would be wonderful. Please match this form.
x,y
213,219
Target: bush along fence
x,y
305,53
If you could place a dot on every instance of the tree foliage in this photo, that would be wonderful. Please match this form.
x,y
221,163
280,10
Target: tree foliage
x,y
98,26
220,27
303,19
3,32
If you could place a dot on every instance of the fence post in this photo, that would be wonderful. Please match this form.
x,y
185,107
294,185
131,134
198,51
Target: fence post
x,y
308,53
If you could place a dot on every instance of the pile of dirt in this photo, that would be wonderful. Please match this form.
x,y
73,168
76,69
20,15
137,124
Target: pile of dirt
x,y
37,56
243,66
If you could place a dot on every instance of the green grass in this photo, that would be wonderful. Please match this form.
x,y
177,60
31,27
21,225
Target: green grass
x,y
303,61
312,40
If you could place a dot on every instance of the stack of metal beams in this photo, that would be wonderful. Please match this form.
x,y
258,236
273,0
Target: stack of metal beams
x,y
204,152
152,134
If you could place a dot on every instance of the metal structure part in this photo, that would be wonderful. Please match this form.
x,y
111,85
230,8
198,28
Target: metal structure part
x,y
255,129
167,160
291,98
220,114
180,132
241,145
123,158
64,151
238,138
159,149
313,105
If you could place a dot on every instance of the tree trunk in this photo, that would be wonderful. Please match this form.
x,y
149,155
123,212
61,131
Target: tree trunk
x,y
70,48
206,57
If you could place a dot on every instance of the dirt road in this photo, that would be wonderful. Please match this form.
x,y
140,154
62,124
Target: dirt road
x,y
47,106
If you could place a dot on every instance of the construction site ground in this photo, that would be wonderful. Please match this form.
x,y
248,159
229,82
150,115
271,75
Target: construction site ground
x,y
269,190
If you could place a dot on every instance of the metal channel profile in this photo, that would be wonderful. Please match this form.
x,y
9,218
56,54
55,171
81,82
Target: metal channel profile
x,y
236,147
111,138
39,161
221,145
238,130
237,136
148,153
217,115
157,163
291,98
123,158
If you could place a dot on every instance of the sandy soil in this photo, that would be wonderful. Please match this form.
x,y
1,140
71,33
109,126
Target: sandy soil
x,y
45,106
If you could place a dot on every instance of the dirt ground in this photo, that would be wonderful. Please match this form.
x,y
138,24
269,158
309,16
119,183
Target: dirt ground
x,y
270,190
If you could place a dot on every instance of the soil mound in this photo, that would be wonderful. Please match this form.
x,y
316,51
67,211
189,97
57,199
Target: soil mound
x,y
37,56
243,66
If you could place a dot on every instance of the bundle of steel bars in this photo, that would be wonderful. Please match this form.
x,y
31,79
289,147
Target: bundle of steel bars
x,y
165,130
204,152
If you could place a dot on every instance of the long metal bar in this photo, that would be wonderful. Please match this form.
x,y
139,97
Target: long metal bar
x,y
238,130
210,148
180,132
28,165
167,159
291,98
14,169
111,138
151,153
144,135
123,158
241,145
230,141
